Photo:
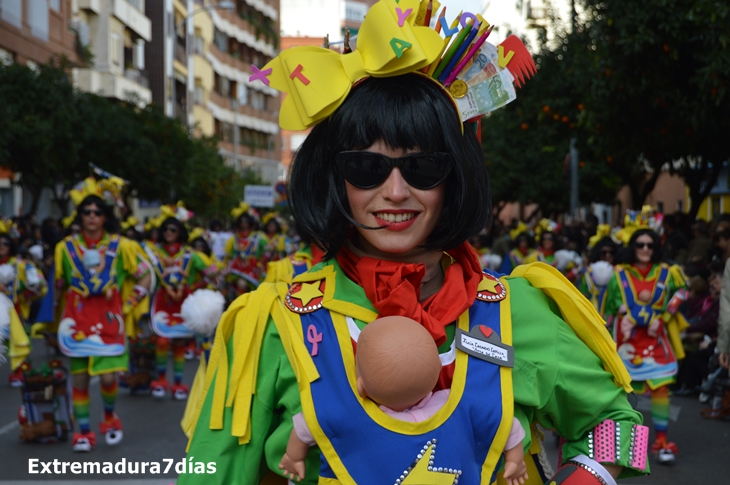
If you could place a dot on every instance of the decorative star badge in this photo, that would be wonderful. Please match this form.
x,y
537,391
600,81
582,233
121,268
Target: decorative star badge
x,y
491,289
424,472
305,297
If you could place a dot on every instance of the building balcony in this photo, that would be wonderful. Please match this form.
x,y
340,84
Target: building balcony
x,y
112,85
222,102
235,69
133,18
180,53
93,5
137,77
237,28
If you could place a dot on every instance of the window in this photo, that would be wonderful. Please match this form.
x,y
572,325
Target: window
x,y
199,45
55,5
117,47
199,94
138,55
355,11
220,40
38,18
11,11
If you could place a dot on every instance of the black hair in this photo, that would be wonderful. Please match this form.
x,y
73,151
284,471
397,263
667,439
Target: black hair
x,y
206,247
404,112
278,226
249,218
13,247
215,225
111,223
554,236
182,232
656,253
604,242
523,236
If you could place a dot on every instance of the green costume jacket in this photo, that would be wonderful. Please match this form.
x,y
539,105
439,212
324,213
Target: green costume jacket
x,y
566,377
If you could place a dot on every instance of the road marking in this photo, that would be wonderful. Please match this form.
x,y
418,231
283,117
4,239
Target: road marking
x,y
9,427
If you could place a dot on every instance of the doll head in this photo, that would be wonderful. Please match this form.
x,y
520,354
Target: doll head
x,y
644,296
397,362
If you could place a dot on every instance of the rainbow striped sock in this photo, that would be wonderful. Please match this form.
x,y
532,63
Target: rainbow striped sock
x,y
660,410
161,350
81,408
109,396
178,362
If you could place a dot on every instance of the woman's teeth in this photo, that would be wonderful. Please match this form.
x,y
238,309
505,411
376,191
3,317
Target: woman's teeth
x,y
395,217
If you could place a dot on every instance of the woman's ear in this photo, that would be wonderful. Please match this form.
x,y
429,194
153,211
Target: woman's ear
x,y
361,388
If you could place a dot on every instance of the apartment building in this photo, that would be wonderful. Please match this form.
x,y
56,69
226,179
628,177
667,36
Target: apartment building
x,y
307,23
115,33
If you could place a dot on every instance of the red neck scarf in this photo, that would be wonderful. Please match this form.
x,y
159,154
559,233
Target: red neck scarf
x,y
92,243
172,249
394,288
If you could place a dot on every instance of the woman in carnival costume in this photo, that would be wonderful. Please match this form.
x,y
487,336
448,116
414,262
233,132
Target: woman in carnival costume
x,y
102,280
393,185
519,254
277,244
594,282
643,296
244,252
180,270
22,283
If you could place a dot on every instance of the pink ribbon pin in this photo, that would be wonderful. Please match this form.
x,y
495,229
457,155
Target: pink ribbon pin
x,y
313,337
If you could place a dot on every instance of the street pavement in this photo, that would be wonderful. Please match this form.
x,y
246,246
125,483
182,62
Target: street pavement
x,y
152,433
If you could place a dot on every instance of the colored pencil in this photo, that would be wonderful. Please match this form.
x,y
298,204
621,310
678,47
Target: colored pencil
x,y
472,51
438,20
456,50
429,11
435,63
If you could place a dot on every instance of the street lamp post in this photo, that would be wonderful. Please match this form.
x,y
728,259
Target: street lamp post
x,y
223,5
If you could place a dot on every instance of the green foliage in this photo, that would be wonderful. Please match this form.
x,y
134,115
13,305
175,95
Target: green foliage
x,y
642,85
52,132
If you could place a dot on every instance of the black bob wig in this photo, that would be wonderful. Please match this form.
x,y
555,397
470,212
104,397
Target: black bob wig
x,y
655,255
404,112
111,223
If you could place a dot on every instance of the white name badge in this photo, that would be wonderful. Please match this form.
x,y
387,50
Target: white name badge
x,y
489,348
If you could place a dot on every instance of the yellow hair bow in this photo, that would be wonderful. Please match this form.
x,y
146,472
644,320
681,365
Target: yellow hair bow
x,y
88,187
131,222
521,227
603,230
109,189
242,208
268,217
5,226
196,233
67,221
318,80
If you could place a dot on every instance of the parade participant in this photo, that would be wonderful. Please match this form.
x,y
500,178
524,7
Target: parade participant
x,y
393,184
101,277
647,328
277,244
545,253
129,229
244,252
397,365
518,255
22,283
179,270
594,282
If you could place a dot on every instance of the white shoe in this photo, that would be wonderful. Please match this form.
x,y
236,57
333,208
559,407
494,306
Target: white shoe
x,y
665,456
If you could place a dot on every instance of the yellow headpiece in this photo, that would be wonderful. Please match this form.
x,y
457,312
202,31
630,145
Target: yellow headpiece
x,y
647,218
521,227
196,233
318,80
602,231
5,225
131,222
242,208
109,189
545,225
177,211
67,221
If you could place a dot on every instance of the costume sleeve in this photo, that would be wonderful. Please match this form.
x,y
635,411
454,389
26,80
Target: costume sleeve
x,y
560,383
723,322
677,281
32,282
613,296
131,261
272,407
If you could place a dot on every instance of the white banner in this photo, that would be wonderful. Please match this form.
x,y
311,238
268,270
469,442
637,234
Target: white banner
x,y
259,195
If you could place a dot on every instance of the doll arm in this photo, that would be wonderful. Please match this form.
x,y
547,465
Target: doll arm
x,y
515,469
292,463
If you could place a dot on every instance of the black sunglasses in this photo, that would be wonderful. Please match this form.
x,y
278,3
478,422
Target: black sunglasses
x,y
366,170
641,245
172,229
88,212
607,252
4,243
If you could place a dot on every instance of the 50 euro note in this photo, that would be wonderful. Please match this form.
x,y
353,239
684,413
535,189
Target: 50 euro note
x,y
486,94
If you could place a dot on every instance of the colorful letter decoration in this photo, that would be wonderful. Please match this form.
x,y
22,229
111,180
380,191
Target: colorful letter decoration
x,y
399,46
259,74
297,73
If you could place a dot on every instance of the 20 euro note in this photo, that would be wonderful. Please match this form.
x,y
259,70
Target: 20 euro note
x,y
487,95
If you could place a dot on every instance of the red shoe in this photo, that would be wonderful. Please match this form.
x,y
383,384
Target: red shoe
x,y
16,379
112,431
664,452
179,392
159,388
84,441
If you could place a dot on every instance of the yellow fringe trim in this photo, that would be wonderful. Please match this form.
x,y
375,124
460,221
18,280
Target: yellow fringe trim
x,y
580,314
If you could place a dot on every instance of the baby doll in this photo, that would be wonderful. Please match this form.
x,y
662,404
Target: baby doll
x,y
643,298
397,365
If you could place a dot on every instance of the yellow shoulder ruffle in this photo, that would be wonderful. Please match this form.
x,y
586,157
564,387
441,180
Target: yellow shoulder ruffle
x,y
580,314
